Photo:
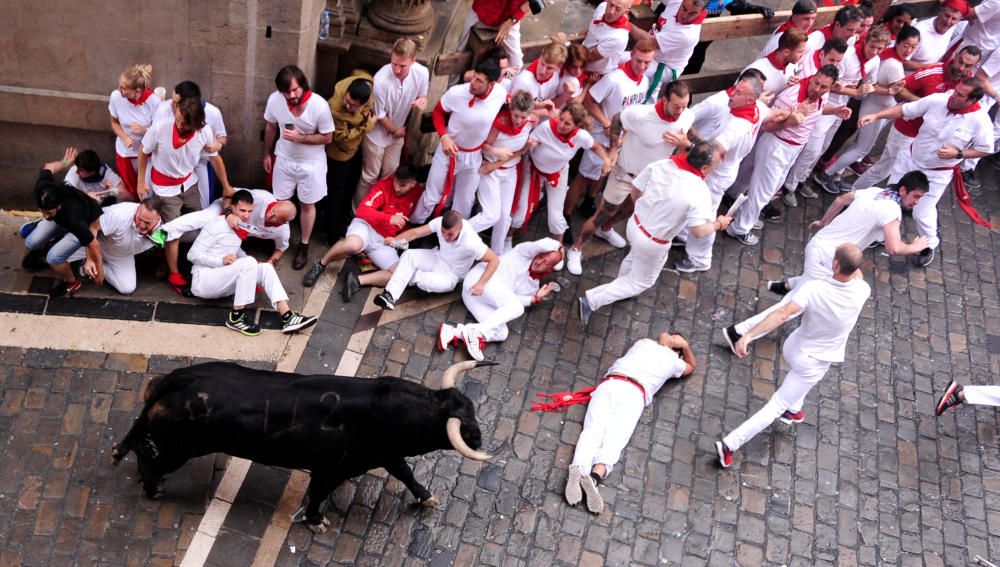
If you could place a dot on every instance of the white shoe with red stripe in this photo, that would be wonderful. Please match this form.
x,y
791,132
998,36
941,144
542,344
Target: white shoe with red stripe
x,y
474,342
447,335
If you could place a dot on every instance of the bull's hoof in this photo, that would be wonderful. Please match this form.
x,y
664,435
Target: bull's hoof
x,y
116,455
319,528
156,493
429,502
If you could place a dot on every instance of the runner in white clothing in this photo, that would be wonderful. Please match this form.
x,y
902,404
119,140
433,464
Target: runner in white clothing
x,y
298,164
845,25
936,34
669,194
607,36
779,66
676,32
515,286
221,268
95,178
132,107
803,17
438,270
614,408
829,308
541,79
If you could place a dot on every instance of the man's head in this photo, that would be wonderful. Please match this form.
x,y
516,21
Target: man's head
x,y
875,42
803,15
487,72
282,212
186,89
791,46
189,115
690,10
676,96
576,60
49,199
88,164
952,12
846,22
147,216
292,84
545,262
907,41
833,52
404,179
966,93
135,80
521,104
746,91
573,116
242,204
402,57
552,58
751,72
359,92
642,55
451,225
616,9
822,82
847,259
703,156
964,62
912,187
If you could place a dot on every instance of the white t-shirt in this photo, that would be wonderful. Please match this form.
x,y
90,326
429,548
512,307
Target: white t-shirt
x,y
315,119
213,116
675,41
109,182
552,154
644,139
889,71
119,237
970,130
650,364
709,115
932,44
575,88
512,142
127,113
862,222
460,255
776,78
279,234
394,99
526,81
471,117
830,310
614,93
610,41
984,31
671,199
850,74
177,163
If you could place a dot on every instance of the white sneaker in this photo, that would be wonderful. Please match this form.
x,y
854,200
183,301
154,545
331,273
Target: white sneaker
x,y
446,334
573,491
473,342
559,266
574,259
613,238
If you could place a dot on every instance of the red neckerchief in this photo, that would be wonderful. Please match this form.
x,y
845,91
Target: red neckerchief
x,y
771,56
268,210
748,112
827,31
816,57
302,102
142,99
621,23
627,68
472,101
662,112
730,91
681,161
568,139
697,21
859,50
534,72
971,108
784,27
804,88
179,140
890,53
504,124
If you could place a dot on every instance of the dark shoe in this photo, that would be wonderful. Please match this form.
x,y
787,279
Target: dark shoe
x,y
585,311
925,257
689,267
790,417
351,285
972,183
725,455
292,322
63,289
778,287
732,337
771,213
949,399
241,323
313,274
829,183
33,261
385,300
301,257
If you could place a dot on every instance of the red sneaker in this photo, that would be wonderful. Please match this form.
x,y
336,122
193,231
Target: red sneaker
x,y
725,455
790,417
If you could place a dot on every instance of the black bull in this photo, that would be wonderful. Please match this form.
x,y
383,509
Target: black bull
x,y
336,427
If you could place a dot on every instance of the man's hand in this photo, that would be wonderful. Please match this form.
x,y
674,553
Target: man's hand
x,y
137,128
793,80
275,258
142,189
420,103
233,220
268,162
921,242
398,220
897,87
723,221
399,132
844,113
503,31
69,156
742,347
477,289
127,140
816,225
488,167
767,98
228,259
545,290
677,139
213,147
606,166
550,108
866,120
502,153
947,151
866,88
448,146
293,135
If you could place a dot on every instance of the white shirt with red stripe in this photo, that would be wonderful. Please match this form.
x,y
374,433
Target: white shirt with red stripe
x,y
789,99
128,113
615,92
672,198
645,125
933,45
676,41
172,159
609,39
394,99
965,129
526,80
651,364
315,119
776,77
471,117
553,152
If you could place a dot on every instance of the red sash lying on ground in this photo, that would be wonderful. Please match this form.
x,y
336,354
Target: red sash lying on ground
x,y
563,400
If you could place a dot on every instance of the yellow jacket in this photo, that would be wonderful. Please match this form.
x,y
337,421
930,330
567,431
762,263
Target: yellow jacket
x,y
350,128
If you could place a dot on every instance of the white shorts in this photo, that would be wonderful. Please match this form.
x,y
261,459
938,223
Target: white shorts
x,y
381,255
619,186
590,164
307,178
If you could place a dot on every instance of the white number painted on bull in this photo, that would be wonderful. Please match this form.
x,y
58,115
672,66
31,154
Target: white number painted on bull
x,y
329,414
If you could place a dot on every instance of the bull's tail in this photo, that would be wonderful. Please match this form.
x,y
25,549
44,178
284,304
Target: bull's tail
x,y
137,432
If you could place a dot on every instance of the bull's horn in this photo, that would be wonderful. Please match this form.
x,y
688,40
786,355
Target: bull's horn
x,y
455,436
452,372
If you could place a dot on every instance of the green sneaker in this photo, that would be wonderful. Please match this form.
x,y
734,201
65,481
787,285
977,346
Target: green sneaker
x,y
242,323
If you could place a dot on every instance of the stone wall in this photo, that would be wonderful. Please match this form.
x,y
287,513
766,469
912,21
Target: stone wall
x,y
62,59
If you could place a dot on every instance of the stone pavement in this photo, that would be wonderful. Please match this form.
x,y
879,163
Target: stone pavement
x,y
870,477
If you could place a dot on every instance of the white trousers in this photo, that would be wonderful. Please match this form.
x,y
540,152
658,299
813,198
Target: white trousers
x,y
119,271
497,306
819,141
555,199
639,270
805,372
982,395
612,414
699,250
817,264
511,44
496,197
239,279
865,140
424,269
377,162
772,159
925,212
465,182
883,167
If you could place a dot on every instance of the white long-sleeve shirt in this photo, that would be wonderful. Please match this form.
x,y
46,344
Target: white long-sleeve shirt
x,y
216,241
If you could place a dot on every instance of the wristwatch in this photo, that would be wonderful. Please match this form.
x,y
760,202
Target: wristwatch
x,y
960,155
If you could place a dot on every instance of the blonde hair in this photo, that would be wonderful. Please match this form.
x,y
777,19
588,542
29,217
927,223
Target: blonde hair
x,y
878,33
405,47
554,54
139,76
645,45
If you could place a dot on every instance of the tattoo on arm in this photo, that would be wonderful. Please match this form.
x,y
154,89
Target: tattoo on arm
x,y
616,130
604,213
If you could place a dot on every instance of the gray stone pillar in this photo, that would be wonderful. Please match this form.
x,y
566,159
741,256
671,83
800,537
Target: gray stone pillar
x,y
403,17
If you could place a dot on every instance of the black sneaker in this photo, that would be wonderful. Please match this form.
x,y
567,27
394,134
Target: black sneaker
x,y
240,322
778,287
732,337
351,285
33,261
949,399
292,322
925,257
64,288
771,213
313,274
385,300
827,182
